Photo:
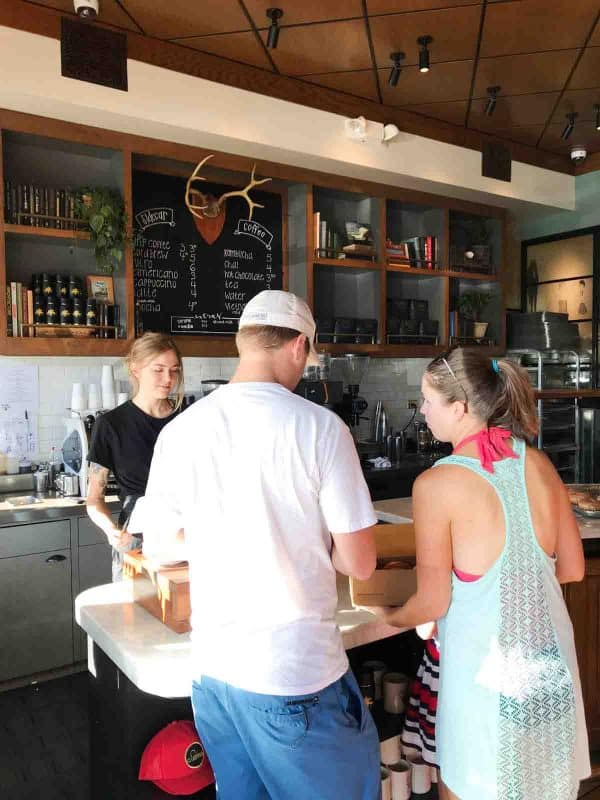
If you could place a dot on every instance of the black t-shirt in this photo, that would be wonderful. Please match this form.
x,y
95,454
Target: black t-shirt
x,y
123,441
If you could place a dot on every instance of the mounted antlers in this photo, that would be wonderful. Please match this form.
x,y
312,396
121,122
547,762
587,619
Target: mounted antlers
x,y
205,205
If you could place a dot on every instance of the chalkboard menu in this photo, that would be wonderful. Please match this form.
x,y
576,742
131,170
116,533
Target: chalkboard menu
x,y
190,277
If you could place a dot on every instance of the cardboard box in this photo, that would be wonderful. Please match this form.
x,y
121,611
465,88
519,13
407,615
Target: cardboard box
x,y
391,586
164,591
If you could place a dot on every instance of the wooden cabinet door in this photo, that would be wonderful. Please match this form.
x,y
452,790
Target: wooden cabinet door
x,y
583,602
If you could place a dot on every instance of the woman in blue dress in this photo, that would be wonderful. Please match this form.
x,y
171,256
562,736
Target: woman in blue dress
x,y
496,536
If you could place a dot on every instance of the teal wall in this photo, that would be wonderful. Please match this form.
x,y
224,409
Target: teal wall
x,y
586,214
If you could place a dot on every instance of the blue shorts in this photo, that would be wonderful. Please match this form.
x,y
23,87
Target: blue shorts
x,y
322,746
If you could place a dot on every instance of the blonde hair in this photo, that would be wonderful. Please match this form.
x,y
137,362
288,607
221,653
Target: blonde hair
x,y
267,337
497,391
147,347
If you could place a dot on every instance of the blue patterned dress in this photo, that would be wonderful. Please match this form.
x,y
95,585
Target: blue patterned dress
x,y
510,722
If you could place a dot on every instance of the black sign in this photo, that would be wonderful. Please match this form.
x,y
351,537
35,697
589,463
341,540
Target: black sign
x,y
93,54
193,276
496,161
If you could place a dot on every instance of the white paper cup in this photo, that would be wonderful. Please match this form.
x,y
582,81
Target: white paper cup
x,y
401,780
78,397
378,669
395,686
391,750
386,784
421,776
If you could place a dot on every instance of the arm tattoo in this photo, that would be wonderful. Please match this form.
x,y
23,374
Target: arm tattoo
x,y
100,473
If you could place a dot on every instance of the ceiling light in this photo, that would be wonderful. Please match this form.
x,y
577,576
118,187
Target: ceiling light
x,y
568,129
597,110
490,105
396,69
424,42
390,131
274,14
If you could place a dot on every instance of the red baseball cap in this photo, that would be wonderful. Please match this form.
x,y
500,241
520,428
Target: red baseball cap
x,y
175,760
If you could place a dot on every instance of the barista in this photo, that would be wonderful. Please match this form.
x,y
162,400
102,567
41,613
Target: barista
x,y
123,439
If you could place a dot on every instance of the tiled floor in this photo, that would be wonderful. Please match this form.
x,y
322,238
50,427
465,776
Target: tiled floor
x,y
44,743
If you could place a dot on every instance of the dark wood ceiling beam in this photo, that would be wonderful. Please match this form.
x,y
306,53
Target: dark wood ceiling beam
x,y
476,61
371,50
47,22
569,76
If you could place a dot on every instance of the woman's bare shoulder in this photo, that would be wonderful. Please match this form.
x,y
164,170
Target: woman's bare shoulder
x,y
438,478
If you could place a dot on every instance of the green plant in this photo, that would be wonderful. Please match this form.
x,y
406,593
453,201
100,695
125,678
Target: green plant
x,y
471,304
103,210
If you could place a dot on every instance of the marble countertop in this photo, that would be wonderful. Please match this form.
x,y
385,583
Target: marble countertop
x,y
399,509
158,660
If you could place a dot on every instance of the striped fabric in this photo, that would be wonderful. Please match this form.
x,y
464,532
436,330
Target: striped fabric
x,y
419,724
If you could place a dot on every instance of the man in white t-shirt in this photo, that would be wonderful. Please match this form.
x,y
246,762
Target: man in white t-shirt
x,y
269,491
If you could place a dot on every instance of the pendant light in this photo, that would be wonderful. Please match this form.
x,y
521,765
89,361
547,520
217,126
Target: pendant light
x,y
424,42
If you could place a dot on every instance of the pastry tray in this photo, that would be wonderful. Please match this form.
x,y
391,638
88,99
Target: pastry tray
x,y
592,488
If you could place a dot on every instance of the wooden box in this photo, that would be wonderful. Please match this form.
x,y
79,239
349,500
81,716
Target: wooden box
x,y
389,586
163,591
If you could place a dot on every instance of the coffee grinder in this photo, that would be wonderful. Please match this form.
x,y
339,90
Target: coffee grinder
x,y
354,368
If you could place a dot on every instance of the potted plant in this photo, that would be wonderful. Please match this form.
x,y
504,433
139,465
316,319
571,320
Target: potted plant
x,y
103,210
471,304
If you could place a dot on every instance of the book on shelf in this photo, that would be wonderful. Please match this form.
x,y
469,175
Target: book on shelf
x,y
14,307
30,319
8,311
37,206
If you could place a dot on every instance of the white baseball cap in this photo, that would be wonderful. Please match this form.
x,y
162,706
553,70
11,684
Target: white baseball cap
x,y
282,310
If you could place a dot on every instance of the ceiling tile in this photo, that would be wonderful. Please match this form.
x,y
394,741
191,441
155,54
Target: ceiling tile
x,y
580,100
454,33
524,109
525,74
327,47
306,11
536,25
443,82
110,13
242,46
595,38
524,134
360,83
454,113
587,137
587,72
402,6
177,18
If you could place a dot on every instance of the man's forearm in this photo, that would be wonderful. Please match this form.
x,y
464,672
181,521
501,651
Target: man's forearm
x,y
100,514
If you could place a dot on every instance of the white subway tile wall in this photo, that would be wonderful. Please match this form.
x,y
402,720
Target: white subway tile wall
x,y
394,381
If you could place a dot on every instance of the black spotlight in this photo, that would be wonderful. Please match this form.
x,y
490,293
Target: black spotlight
x,y
597,110
490,105
424,42
568,129
396,69
274,14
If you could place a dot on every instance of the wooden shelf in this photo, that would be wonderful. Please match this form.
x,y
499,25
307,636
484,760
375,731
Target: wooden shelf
x,y
353,263
52,233
473,276
59,346
442,273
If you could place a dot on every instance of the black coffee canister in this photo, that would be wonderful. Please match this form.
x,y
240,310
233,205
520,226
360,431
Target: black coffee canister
x,y
51,315
90,312
36,281
66,316
74,286
47,288
60,286
78,318
39,311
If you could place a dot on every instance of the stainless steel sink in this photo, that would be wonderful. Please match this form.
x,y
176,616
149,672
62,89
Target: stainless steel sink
x,y
23,500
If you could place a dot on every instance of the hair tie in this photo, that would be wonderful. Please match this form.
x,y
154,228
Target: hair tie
x,y
495,366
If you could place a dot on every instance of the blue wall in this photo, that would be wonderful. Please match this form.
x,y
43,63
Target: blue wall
x,y
586,214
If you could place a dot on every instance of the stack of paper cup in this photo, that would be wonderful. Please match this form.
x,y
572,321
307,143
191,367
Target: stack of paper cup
x,y
108,387
421,776
94,397
78,397
401,780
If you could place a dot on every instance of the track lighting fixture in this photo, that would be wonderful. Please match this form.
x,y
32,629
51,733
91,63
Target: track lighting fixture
x,y
424,42
396,69
568,129
597,110
490,105
274,14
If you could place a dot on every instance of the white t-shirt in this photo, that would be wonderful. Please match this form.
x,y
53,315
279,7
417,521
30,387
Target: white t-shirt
x,y
259,477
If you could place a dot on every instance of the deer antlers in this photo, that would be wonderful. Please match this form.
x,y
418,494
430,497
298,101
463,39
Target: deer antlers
x,y
216,204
